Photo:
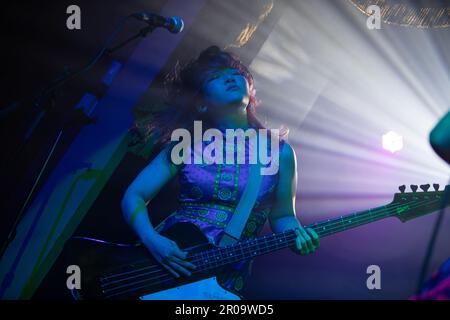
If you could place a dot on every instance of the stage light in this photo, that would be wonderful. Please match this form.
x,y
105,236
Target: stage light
x,y
335,87
392,141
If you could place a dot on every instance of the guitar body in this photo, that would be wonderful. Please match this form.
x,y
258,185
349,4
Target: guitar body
x,y
115,272
206,289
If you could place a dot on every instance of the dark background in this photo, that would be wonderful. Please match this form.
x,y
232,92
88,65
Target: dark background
x,y
37,49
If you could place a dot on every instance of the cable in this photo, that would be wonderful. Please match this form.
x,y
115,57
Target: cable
x,y
107,242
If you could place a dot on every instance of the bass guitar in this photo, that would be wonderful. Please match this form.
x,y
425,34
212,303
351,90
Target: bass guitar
x,y
130,272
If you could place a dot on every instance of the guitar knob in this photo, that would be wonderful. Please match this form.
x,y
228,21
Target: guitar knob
x,y
414,187
402,188
424,187
436,186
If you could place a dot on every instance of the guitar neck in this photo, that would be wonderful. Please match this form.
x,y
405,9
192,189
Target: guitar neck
x,y
332,226
247,249
405,206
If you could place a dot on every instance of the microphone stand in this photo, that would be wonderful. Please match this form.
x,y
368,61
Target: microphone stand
x,y
142,33
50,93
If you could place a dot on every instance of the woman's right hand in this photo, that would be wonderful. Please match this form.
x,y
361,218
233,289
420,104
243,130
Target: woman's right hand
x,y
169,255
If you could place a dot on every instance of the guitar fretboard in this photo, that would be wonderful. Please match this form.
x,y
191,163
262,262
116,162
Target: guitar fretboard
x,y
247,249
405,206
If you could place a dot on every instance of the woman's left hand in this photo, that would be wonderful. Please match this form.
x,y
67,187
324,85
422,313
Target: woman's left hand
x,y
307,241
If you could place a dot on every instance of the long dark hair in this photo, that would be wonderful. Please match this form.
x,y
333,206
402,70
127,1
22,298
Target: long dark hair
x,y
183,91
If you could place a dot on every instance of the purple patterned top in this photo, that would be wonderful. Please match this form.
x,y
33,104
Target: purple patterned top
x,y
209,195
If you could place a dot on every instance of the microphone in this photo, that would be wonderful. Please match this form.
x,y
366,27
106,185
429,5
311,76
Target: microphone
x,y
173,24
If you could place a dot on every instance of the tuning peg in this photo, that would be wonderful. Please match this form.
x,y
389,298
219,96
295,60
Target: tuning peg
x,y
436,186
414,187
424,187
402,188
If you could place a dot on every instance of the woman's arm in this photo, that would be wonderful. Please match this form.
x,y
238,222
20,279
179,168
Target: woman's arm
x,y
144,187
440,138
283,215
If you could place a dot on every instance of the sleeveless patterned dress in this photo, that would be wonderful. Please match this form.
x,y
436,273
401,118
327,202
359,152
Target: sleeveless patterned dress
x,y
209,194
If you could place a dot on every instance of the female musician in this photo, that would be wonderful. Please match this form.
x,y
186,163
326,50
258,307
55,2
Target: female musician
x,y
218,90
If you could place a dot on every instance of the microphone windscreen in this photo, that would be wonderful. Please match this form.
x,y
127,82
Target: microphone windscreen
x,y
176,24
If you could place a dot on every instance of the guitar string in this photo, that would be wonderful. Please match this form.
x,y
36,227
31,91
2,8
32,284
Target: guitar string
x,y
195,256
288,237
338,223
220,250
198,269
143,268
220,254
168,277
158,282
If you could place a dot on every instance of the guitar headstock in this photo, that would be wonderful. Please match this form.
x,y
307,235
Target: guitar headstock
x,y
410,205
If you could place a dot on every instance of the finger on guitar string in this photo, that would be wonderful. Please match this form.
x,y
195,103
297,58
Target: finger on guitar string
x,y
300,242
308,240
184,263
168,268
315,237
178,267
